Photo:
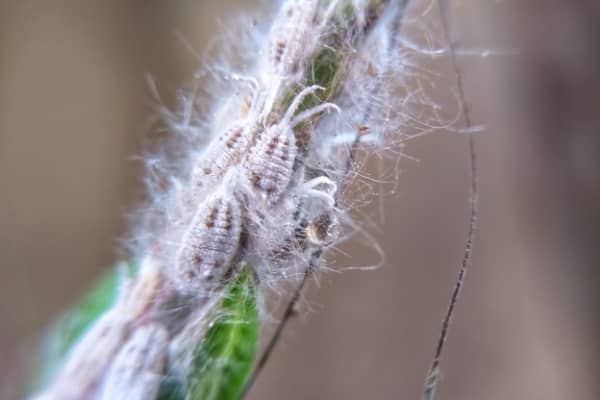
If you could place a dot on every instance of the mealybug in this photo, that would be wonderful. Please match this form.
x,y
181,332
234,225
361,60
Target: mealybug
x,y
294,35
270,165
209,245
136,372
223,152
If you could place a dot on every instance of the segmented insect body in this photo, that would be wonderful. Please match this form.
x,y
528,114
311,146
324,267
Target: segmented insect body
x,y
139,295
291,36
293,39
269,166
136,372
223,152
209,245
89,359
295,35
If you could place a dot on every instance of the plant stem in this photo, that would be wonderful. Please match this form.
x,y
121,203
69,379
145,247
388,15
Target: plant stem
x,y
432,376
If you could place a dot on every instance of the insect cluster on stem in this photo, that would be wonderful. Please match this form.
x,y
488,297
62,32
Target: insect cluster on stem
x,y
265,188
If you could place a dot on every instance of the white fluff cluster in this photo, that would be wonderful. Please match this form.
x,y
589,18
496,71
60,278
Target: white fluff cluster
x,y
261,180
266,185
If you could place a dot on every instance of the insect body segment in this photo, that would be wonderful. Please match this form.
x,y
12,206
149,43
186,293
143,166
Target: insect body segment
x,y
136,372
210,244
290,35
269,167
293,39
270,164
295,34
89,359
224,152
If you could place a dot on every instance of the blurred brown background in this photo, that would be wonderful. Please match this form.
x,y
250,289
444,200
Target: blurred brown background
x,y
74,108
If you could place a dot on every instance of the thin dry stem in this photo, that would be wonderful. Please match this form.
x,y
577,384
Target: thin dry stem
x,y
431,382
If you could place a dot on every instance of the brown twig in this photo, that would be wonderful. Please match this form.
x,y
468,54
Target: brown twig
x,y
432,376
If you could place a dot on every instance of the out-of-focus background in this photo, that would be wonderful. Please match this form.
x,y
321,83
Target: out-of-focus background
x,y
74,108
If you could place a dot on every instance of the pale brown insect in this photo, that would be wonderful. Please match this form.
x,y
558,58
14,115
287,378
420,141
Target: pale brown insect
x,y
136,372
209,245
223,152
270,165
291,35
